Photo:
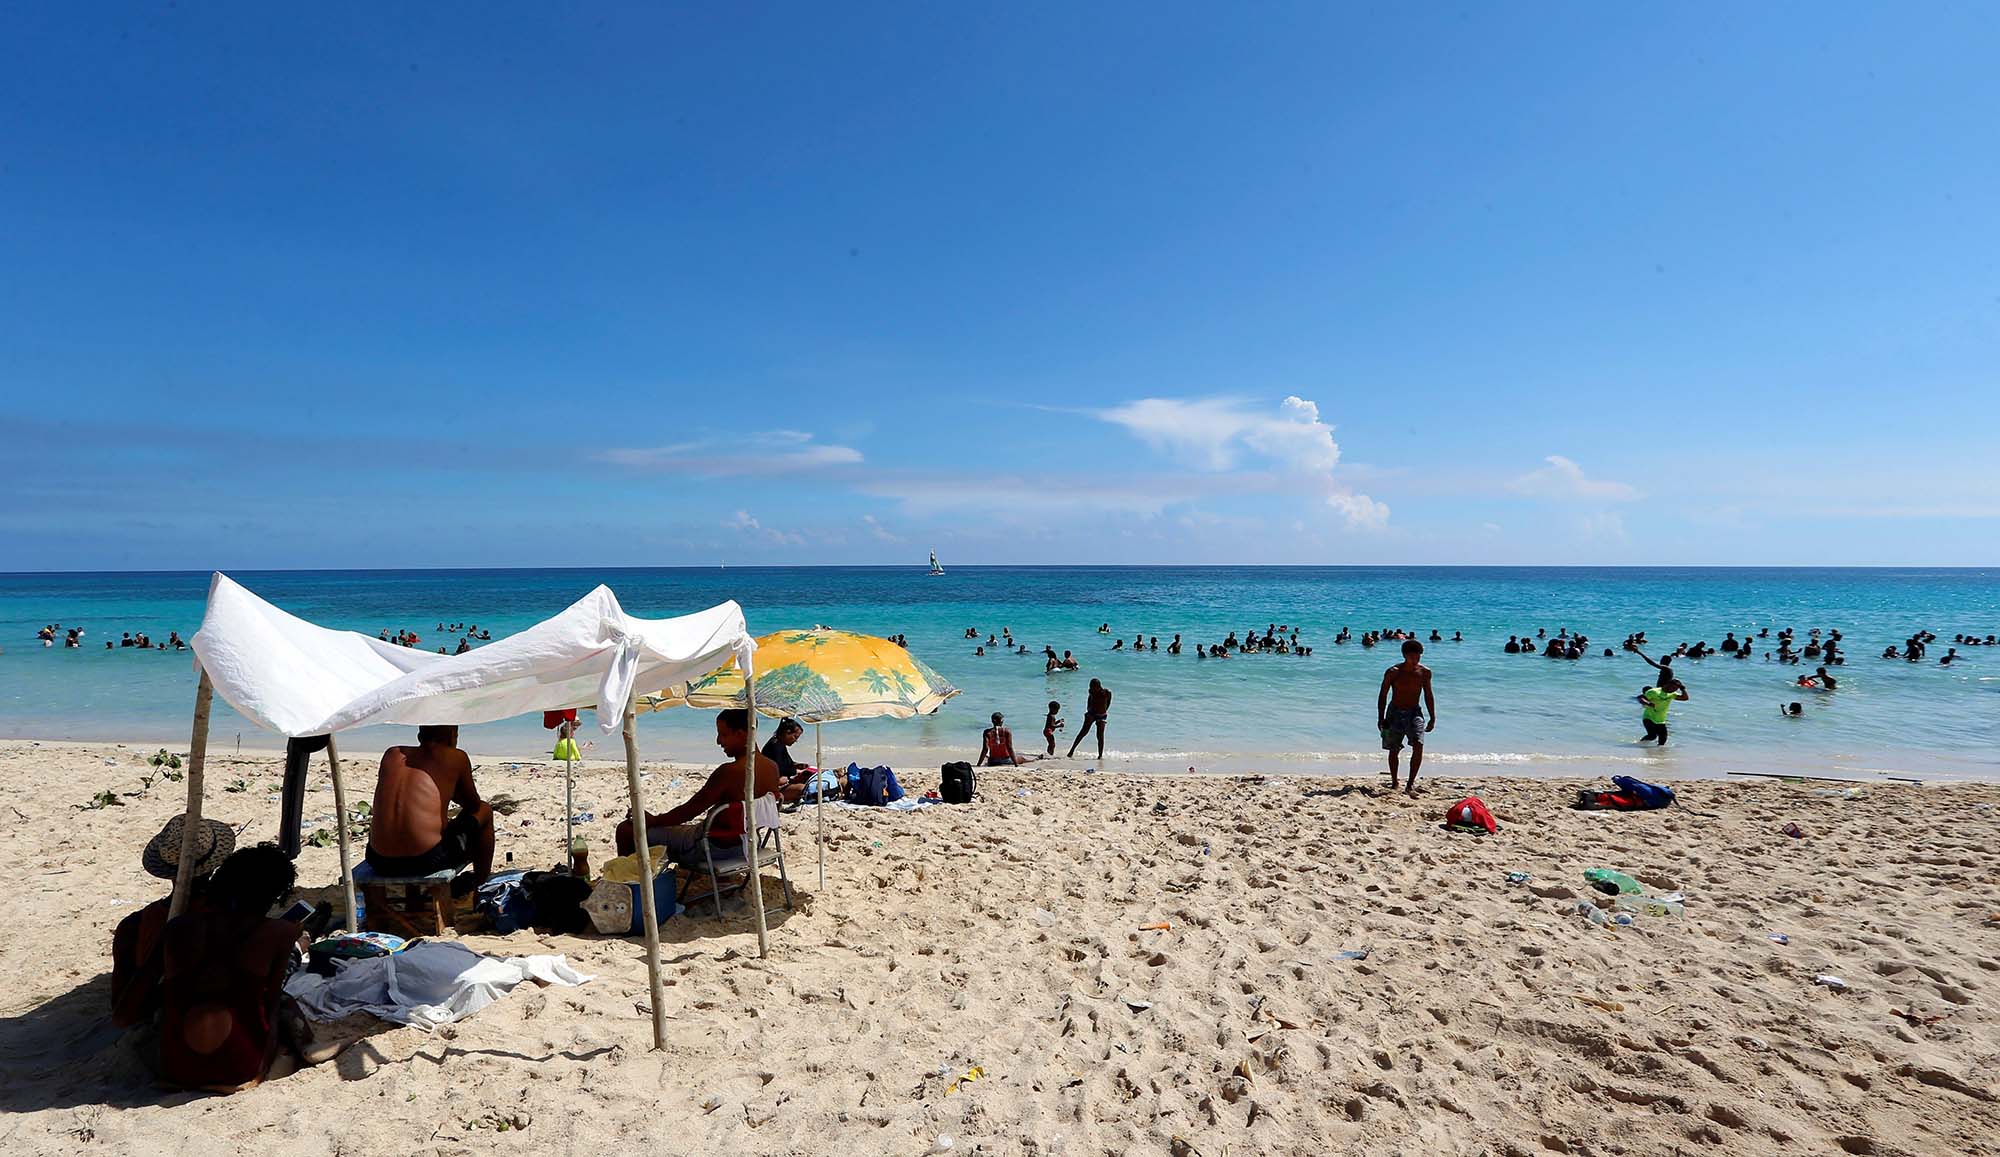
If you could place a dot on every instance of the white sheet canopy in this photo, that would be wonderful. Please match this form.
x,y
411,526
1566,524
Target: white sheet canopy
x,y
298,678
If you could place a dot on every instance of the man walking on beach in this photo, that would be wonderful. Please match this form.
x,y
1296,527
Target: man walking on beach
x,y
1397,716
1096,708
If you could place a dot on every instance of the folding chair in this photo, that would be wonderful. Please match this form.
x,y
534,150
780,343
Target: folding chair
x,y
735,861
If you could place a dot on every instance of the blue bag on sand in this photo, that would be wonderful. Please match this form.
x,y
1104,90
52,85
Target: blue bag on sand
x,y
872,786
1649,795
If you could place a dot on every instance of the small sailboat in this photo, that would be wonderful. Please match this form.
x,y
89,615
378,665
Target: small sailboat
x,y
935,568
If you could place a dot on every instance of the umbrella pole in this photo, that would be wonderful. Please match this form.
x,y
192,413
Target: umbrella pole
x,y
569,801
819,803
340,823
756,884
651,918
204,694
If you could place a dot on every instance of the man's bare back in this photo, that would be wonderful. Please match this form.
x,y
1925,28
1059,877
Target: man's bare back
x,y
412,793
408,831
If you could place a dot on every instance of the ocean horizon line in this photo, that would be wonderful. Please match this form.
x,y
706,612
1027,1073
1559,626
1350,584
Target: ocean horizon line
x,y
1681,568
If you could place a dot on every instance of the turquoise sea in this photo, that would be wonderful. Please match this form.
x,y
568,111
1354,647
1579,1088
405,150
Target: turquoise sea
x,y
1497,712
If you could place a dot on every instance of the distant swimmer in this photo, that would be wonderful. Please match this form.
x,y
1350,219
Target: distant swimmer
x,y
1791,710
1513,646
1396,711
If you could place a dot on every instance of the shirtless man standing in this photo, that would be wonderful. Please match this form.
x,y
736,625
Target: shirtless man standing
x,y
407,834
1096,708
1396,714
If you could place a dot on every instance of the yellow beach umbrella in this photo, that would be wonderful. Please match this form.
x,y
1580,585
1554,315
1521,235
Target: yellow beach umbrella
x,y
819,676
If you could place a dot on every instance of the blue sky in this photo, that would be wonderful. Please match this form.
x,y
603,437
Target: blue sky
x,y
1147,283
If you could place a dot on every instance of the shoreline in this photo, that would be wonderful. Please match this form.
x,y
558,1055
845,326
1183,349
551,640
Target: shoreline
x,y
1677,764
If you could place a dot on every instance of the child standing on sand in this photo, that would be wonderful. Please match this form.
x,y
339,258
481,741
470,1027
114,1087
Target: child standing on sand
x,y
1050,725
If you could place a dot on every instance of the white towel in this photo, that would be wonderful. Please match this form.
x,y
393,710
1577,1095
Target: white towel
x,y
428,984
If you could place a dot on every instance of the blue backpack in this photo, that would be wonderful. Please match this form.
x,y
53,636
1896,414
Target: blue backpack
x,y
1649,795
872,786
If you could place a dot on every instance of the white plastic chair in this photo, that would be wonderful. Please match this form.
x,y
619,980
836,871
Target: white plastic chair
x,y
735,862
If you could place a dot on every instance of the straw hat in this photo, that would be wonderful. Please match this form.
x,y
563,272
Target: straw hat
x,y
212,845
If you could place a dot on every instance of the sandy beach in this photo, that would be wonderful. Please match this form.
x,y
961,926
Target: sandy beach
x,y
1011,935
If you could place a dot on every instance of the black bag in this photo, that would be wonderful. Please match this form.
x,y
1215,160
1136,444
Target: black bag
x,y
959,782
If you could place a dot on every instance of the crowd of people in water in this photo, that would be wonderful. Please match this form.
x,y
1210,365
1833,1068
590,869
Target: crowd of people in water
x,y
468,634
72,639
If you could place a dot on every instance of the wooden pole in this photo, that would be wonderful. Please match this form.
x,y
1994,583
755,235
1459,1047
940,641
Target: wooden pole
x,y
204,694
569,799
340,821
756,881
819,803
651,918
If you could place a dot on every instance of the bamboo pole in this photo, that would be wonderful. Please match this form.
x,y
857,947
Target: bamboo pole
x,y
650,917
204,695
819,803
756,882
340,824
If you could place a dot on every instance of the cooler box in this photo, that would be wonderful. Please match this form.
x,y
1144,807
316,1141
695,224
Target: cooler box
x,y
614,905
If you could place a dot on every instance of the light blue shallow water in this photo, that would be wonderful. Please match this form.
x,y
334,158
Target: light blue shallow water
x,y
1272,712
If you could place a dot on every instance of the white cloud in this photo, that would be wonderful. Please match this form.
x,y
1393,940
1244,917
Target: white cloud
x,y
1361,511
748,525
1605,524
1216,433
765,452
880,532
1563,479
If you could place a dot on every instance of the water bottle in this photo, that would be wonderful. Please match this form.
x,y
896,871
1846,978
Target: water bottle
x,y
1648,905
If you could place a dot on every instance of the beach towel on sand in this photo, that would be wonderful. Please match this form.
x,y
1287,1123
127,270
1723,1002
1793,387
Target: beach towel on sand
x,y
429,983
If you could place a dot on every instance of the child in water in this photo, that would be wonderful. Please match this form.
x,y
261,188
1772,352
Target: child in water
x,y
1657,699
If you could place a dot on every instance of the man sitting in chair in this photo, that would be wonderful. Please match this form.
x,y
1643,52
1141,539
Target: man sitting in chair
x,y
679,831
407,833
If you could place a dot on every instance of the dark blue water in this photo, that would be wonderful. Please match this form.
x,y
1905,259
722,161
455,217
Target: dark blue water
x,y
1265,712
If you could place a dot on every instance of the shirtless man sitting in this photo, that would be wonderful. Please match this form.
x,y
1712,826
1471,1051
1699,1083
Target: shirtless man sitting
x,y
1396,713
677,831
407,834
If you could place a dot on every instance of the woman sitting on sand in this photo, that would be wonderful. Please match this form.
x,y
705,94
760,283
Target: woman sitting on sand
x,y
996,747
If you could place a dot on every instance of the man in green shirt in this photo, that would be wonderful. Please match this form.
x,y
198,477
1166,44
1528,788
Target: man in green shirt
x,y
1657,699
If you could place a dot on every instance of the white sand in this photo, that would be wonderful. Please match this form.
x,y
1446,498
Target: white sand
x,y
1007,935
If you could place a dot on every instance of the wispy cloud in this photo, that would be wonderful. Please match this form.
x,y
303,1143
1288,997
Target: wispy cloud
x,y
879,532
748,525
1216,434
768,452
1563,479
